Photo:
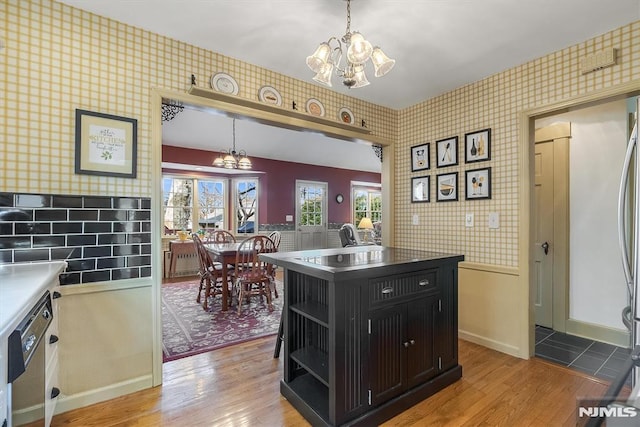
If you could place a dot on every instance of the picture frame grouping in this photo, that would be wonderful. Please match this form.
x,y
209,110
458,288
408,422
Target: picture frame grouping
x,y
477,182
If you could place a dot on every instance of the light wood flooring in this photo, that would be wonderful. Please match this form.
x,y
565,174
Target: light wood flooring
x,y
239,386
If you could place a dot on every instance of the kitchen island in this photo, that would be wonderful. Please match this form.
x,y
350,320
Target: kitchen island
x,y
369,331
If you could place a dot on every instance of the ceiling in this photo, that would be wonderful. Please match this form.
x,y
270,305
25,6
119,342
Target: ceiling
x,y
438,45
207,130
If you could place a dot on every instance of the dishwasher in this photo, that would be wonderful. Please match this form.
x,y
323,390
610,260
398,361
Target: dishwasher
x,y
26,365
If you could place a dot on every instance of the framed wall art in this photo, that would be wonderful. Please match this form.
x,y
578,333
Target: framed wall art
x,y
420,189
447,152
478,184
477,146
420,157
447,187
105,144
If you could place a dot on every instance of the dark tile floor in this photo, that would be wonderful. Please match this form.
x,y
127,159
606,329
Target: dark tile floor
x,y
592,357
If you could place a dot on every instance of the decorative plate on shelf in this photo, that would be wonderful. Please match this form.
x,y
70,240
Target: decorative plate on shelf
x,y
269,95
346,116
223,82
315,107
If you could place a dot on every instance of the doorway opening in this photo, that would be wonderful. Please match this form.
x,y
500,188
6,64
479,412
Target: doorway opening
x,y
253,116
577,285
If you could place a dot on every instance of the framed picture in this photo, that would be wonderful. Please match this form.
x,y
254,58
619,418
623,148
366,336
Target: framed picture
x,y
420,157
105,144
447,187
447,152
420,189
477,146
478,184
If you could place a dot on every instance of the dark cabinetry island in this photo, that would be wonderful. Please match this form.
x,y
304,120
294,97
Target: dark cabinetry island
x,y
369,331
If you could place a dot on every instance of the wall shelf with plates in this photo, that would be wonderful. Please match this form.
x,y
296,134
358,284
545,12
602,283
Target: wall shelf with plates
x,y
287,118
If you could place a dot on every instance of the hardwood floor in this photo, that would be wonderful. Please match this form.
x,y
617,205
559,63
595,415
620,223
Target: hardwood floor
x,y
239,386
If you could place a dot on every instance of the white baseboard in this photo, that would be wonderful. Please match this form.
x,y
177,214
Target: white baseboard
x,y
492,344
70,402
619,337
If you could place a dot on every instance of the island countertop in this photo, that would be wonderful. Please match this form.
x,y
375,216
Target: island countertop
x,y
353,260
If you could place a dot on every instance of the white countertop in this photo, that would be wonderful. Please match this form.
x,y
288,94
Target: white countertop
x,y
21,285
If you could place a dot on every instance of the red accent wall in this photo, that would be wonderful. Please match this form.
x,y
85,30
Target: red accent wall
x,y
280,177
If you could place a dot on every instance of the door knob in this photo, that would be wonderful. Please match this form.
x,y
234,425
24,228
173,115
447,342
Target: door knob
x,y
545,247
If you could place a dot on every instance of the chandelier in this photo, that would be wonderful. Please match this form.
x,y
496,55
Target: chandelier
x,y
232,159
328,57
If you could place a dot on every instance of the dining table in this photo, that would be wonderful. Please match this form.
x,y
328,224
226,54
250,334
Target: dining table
x,y
225,254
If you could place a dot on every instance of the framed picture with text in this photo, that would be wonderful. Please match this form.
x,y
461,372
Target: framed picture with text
x,y
105,144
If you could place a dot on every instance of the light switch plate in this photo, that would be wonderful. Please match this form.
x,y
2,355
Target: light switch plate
x,y
494,220
415,219
288,218
468,220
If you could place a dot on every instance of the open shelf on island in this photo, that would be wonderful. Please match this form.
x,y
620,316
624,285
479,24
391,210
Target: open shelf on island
x,y
314,361
319,313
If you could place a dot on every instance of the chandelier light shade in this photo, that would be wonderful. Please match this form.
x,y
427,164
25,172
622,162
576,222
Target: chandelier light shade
x,y
232,159
329,55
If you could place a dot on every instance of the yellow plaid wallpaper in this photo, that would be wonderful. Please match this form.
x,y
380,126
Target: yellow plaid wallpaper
x,y
58,59
494,103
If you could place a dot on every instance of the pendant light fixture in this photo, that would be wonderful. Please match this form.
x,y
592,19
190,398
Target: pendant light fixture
x,y
328,57
232,159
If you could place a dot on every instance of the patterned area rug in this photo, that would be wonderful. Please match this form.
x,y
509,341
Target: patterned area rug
x,y
188,329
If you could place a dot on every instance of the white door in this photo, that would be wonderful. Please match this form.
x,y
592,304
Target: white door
x,y
543,233
311,215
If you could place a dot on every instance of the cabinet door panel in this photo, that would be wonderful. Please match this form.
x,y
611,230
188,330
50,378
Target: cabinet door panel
x,y
387,353
421,362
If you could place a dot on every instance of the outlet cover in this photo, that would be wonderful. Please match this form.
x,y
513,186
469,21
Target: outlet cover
x,y
415,219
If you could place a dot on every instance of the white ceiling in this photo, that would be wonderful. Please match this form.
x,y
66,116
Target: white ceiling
x,y
206,130
439,45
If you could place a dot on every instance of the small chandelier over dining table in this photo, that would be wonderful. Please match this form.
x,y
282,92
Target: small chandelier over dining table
x,y
328,57
232,159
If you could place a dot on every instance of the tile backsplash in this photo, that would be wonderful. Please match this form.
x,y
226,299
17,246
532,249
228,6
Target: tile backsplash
x,y
102,238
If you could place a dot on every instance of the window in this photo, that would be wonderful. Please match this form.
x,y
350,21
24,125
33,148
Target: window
x,y
367,202
311,198
189,201
211,204
178,204
246,205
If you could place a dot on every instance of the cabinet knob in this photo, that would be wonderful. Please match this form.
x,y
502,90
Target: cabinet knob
x,y
53,339
424,282
413,342
387,290
406,344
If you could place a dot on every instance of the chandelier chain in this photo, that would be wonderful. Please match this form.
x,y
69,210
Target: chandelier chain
x,y
348,17
234,135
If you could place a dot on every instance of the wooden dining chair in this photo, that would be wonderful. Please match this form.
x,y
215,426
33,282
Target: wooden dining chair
x,y
222,236
254,276
276,236
210,273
